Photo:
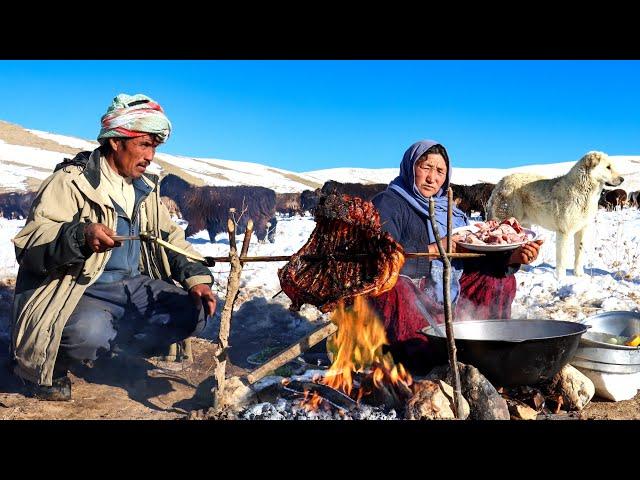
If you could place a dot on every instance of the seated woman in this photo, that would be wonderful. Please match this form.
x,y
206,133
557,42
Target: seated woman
x,y
481,288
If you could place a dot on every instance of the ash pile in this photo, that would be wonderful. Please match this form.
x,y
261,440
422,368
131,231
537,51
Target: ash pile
x,y
297,398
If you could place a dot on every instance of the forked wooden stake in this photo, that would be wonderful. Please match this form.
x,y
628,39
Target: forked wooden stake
x,y
233,286
247,239
448,313
449,219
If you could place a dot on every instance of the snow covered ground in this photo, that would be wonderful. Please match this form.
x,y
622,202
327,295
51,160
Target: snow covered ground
x,y
8,230
612,273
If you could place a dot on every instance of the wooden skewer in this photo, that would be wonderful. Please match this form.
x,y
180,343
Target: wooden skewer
x,y
211,261
339,256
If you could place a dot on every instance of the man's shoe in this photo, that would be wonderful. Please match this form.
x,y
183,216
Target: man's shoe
x,y
59,391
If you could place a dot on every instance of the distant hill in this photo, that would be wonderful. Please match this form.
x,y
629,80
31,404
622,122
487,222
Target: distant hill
x,y
28,156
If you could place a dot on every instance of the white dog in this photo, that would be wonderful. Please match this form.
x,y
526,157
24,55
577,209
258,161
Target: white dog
x,y
566,204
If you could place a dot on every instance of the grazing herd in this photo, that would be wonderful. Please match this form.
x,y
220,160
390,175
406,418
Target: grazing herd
x,y
206,208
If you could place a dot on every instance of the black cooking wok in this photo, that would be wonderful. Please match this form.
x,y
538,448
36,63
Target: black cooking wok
x,y
511,352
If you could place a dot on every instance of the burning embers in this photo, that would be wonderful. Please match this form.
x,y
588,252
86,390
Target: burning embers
x,y
359,367
346,255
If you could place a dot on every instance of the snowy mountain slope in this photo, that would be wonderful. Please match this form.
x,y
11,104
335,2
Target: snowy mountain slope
x,y
28,156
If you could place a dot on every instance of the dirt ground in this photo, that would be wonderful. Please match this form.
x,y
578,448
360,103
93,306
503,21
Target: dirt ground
x,y
120,388
138,388
599,409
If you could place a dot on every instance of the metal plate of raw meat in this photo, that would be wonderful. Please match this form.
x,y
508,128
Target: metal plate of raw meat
x,y
531,236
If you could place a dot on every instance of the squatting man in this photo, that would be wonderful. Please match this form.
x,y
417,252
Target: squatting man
x,y
79,293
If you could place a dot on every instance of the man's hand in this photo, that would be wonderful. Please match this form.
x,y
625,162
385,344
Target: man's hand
x,y
527,253
97,237
202,294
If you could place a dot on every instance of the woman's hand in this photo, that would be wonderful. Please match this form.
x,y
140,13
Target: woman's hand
x,y
455,247
527,253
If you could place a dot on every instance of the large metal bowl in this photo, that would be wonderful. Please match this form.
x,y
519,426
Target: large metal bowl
x,y
613,356
596,354
582,363
511,352
611,324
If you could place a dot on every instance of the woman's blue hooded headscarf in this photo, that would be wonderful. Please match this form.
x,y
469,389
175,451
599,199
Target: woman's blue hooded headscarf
x,y
404,184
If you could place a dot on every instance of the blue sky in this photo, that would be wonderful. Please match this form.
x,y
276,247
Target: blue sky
x,y
308,115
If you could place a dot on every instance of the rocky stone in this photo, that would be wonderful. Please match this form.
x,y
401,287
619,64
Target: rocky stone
x,y
485,403
521,411
576,389
614,386
432,400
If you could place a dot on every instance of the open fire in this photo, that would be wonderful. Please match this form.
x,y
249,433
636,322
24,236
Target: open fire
x,y
359,367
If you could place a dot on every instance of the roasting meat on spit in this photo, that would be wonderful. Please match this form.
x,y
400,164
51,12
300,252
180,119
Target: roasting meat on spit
x,y
346,255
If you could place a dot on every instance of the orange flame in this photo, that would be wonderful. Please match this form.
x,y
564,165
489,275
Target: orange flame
x,y
311,402
357,345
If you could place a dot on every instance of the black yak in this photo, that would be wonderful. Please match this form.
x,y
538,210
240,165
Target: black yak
x,y
16,205
207,208
309,200
364,191
288,204
470,198
612,199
